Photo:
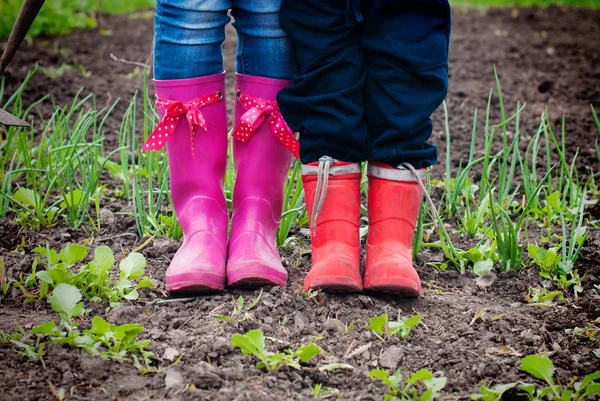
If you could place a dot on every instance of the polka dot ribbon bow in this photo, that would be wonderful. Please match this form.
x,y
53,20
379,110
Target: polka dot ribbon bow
x,y
173,111
258,109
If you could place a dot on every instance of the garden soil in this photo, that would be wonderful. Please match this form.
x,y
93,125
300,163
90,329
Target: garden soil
x,y
544,57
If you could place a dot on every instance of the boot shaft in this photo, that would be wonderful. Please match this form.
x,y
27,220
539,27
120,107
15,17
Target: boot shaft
x,y
339,218
196,162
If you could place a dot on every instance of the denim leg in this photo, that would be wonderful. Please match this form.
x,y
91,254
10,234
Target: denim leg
x,y
187,37
326,102
405,46
264,49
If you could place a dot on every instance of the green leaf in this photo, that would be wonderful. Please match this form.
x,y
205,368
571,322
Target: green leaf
x,y
132,295
145,283
45,276
539,367
113,168
378,324
592,377
103,261
65,300
133,266
420,375
100,326
72,199
592,389
413,321
44,328
72,254
307,352
380,374
60,276
252,343
50,254
482,267
27,197
553,200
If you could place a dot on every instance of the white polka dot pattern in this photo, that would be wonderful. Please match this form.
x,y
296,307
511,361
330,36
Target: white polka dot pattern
x,y
258,109
172,113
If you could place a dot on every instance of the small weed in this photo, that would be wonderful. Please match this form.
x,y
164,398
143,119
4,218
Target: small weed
x,y
421,385
240,310
317,391
382,326
106,340
253,343
542,368
93,278
542,297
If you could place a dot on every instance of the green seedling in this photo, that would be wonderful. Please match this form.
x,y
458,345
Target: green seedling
x,y
106,340
541,297
481,258
32,211
597,353
253,343
421,385
317,391
590,331
240,310
542,368
381,326
94,278
293,207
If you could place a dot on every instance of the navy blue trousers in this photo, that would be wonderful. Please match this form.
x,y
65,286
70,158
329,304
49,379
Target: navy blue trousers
x,y
369,75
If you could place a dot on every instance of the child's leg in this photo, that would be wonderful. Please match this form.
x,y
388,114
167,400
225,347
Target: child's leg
x,y
264,49
406,56
326,106
326,103
405,46
262,161
188,36
189,83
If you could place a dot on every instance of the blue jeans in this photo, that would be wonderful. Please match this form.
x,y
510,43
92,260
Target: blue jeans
x,y
188,35
370,74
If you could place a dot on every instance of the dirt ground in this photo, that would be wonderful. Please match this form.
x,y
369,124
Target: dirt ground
x,y
544,57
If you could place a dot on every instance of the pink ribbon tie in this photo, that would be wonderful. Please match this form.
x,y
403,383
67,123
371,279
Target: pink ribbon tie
x,y
172,113
258,110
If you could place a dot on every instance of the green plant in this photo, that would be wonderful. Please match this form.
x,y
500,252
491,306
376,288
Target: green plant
x,y
382,326
253,343
421,385
542,368
293,205
109,341
317,392
93,278
542,297
240,310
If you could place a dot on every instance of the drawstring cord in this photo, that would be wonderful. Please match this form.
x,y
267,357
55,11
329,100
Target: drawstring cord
x,y
428,199
325,163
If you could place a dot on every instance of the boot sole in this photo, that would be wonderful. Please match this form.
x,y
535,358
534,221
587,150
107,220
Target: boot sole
x,y
395,286
204,284
252,279
341,284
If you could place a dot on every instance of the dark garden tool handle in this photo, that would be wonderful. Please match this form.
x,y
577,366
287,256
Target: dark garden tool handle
x,y
29,10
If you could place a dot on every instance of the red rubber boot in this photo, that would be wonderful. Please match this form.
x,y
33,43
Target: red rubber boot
x,y
332,191
394,201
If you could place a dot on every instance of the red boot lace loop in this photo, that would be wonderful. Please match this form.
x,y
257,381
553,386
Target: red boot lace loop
x,y
173,112
325,163
260,109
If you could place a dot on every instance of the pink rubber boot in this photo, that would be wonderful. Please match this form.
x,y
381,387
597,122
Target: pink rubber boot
x,y
194,121
262,149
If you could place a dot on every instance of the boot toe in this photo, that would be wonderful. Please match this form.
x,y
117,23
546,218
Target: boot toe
x,y
396,276
334,274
